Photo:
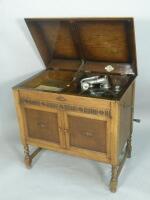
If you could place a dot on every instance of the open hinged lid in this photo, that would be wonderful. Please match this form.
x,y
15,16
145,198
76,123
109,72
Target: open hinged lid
x,y
98,42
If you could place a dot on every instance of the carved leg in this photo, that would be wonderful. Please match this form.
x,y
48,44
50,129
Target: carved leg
x,y
116,169
129,146
27,159
114,179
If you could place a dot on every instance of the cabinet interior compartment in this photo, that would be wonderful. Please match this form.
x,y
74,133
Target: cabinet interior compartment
x,y
62,82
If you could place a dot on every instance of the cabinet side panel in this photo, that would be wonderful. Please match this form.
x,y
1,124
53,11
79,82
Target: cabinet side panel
x,y
126,110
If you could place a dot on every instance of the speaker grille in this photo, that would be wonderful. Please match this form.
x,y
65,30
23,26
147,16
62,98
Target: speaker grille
x,y
42,125
87,133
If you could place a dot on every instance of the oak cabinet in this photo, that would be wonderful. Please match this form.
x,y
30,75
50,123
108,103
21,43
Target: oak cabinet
x,y
55,113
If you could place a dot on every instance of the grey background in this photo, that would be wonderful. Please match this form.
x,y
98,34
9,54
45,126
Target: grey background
x,y
54,175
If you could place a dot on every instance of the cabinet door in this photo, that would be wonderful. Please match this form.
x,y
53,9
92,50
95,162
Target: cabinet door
x,y
87,133
43,125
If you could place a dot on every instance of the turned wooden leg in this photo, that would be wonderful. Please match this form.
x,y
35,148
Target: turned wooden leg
x,y
116,169
27,159
129,146
114,179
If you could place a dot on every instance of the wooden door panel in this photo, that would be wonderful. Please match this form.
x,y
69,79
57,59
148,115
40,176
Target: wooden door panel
x,y
85,132
42,125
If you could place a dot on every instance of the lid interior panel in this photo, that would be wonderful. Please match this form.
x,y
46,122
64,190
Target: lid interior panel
x,y
106,40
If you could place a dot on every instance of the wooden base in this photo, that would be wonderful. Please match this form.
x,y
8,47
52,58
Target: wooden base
x,y
28,158
116,169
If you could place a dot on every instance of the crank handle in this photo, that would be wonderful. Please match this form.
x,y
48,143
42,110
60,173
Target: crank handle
x,y
137,120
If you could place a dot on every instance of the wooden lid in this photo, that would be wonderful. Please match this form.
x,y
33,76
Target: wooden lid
x,y
94,40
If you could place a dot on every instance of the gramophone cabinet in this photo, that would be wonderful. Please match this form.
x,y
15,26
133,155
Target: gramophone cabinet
x,y
55,114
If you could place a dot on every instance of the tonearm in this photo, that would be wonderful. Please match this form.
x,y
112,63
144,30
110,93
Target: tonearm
x,y
100,81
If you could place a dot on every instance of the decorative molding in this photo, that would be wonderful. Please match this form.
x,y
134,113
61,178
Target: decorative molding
x,y
69,107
